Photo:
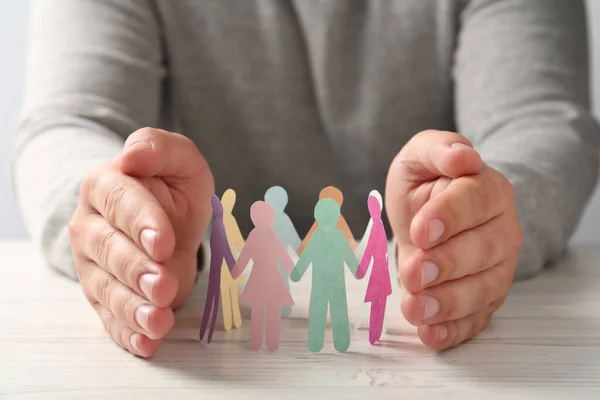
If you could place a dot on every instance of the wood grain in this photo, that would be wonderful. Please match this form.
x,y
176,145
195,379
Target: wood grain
x,y
544,343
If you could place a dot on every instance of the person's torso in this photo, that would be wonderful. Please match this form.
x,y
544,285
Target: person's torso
x,y
306,94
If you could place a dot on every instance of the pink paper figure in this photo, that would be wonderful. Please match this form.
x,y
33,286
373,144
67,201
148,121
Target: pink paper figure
x,y
219,251
265,290
380,286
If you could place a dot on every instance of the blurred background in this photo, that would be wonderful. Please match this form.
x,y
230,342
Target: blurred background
x,y
13,37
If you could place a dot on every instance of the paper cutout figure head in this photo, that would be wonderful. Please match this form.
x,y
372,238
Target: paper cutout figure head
x,y
327,213
262,215
374,206
277,198
228,200
217,208
331,192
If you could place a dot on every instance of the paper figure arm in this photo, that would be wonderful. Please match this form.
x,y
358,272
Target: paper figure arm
x,y
303,263
350,259
366,259
238,239
295,240
343,226
304,243
243,260
229,259
286,260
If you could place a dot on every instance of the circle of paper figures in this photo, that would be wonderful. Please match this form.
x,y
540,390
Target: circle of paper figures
x,y
327,247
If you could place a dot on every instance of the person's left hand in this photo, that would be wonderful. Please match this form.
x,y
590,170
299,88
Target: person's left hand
x,y
458,236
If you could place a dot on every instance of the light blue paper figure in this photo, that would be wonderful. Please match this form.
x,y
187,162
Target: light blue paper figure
x,y
277,198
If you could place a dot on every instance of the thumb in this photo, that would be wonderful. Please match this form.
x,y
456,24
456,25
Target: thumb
x,y
176,160
152,152
433,154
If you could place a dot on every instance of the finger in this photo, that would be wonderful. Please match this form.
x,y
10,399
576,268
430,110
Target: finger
x,y
130,207
114,252
153,152
452,333
134,342
130,308
456,299
466,203
431,154
467,253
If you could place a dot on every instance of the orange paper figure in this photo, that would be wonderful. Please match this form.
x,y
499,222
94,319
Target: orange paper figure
x,y
331,192
265,291
230,286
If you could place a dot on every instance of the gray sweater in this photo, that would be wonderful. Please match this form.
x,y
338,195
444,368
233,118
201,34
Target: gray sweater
x,y
308,93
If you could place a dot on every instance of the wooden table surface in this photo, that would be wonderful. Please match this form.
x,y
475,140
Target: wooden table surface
x,y
544,343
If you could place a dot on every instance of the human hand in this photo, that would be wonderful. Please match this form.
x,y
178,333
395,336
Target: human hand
x,y
136,232
458,236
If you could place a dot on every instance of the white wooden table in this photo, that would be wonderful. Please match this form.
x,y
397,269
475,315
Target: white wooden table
x,y
544,343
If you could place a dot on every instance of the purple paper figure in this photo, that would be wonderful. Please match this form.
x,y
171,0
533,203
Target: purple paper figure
x,y
219,251
380,286
265,290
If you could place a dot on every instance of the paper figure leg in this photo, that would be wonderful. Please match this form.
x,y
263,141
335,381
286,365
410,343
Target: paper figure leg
x,y
285,310
257,321
235,304
210,298
213,322
272,327
339,321
377,317
317,322
226,284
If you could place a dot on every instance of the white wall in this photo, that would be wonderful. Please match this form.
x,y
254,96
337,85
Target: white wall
x,y
13,29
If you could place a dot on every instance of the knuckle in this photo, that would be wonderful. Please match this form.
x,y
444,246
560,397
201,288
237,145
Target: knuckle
x,y
129,269
105,289
452,306
143,133
113,200
128,305
103,245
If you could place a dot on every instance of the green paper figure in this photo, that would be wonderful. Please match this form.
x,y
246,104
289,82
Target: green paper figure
x,y
327,251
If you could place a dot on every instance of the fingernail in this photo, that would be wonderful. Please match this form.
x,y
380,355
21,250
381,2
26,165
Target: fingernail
x,y
432,307
436,230
458,146
142,314
142,144
429,272
135,341
147,282
442,333
148,237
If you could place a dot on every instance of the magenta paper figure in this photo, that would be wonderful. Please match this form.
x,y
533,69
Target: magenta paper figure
x,y
265,291
379,287
219,251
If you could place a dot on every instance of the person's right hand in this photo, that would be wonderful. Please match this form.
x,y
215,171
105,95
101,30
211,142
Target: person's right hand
x,y
136,232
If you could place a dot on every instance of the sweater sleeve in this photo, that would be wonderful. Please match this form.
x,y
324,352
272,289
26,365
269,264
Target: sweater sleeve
x,y
94,74
521,80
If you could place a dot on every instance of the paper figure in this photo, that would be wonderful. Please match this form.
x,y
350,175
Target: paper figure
x,y
380,286
277,198
265,290
363,307
327,251
229,286
365,238
331,192
219,251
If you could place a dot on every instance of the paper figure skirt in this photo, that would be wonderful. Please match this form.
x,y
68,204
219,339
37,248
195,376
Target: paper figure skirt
x,y
379,282
270,292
